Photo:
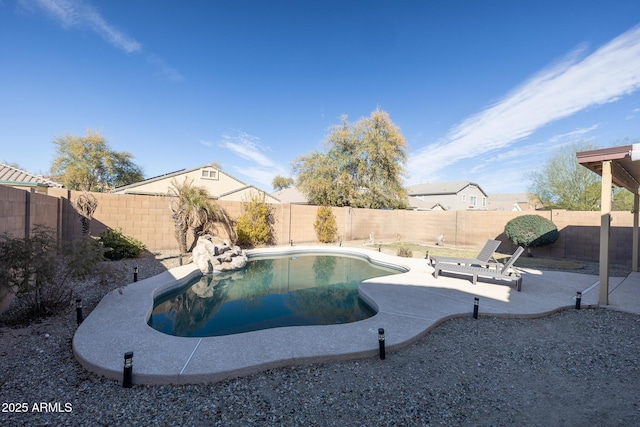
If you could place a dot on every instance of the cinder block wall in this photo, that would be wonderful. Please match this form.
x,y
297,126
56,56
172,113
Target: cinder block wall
x,y
148,219
13,211
21,209
44,210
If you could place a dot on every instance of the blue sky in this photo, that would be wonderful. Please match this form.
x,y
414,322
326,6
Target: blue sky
x,y
482,90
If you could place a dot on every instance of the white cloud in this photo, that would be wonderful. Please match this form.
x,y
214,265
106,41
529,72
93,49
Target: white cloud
x,y
632,114
507,181
76,14
573,135
513,161
80,15
165,72
258,175
551,144
248,147
556,92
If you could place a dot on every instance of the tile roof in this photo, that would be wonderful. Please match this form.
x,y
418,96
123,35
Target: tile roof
x,y
422,205
291,195
15,176
171,175
438,188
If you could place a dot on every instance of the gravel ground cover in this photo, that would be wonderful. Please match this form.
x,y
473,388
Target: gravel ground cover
x,y
576,367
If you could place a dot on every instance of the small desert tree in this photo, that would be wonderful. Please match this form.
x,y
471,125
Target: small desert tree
x,y
325,225
86,205
192,208
255,225
531,231
31,268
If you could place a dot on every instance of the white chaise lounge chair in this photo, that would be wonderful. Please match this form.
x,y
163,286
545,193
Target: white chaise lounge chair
x,y
502,274
484,258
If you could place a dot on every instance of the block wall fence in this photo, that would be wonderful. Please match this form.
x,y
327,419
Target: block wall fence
x,y
148,219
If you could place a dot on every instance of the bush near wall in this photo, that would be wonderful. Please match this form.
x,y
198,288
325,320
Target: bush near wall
x,y
118,246
531,231
255,226
31,268
325,225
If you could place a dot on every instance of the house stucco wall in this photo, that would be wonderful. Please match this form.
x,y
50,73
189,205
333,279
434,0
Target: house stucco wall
x,y
458,201
221,183
218,184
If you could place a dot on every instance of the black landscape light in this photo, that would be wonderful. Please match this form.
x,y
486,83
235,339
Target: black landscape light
x,y
135,274
578,300
381,342
476,302
426,256
127,375
291,242
79,317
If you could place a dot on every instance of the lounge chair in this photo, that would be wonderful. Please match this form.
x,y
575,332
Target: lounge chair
x,y
503,274
484,258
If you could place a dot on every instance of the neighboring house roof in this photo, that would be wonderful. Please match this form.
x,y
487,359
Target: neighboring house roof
x,y
291,195
124,188
424,205
241,189
509,202
438,207
440,188
231,190
10,175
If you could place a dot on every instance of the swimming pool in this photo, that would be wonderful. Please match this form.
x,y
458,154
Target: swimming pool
x,y
294,290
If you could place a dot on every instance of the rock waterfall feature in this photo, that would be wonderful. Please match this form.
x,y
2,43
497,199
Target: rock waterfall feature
x,y
213,254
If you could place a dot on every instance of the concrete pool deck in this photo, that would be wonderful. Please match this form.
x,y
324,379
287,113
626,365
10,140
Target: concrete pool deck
x,y
409,305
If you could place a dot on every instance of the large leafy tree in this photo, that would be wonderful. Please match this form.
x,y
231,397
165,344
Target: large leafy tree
x,y
87,163
562,183
362,167
281,182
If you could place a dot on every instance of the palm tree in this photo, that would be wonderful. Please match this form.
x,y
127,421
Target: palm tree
x,y
192,208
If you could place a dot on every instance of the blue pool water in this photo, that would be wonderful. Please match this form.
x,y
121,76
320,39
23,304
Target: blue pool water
x,y
269,293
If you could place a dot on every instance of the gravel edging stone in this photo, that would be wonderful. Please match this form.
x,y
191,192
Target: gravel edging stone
x,y
575,367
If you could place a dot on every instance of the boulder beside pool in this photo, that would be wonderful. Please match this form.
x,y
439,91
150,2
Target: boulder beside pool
x,y
213,254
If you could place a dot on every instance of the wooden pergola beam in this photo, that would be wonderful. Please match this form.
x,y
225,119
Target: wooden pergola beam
x,y
619,166
634,250
623,178
605,227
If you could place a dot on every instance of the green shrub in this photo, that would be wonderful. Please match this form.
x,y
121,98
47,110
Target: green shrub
x,y
325,225
255,226
40,278
531,231
404,252
118,246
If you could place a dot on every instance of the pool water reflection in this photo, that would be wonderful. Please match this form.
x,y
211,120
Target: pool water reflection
x,y
269,293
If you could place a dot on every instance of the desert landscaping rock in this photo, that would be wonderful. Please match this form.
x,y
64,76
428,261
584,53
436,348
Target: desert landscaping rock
x,y
576,367
213,254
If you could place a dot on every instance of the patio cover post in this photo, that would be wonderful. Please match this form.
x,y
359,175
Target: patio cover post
x,y
605,227
634,250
